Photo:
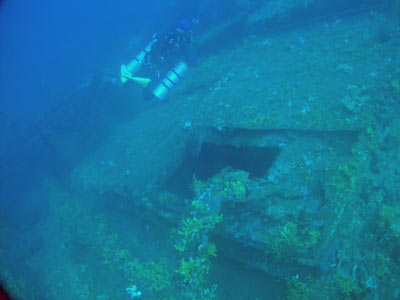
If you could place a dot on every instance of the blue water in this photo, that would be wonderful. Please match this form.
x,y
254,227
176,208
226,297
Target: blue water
x,y
48,47
267,172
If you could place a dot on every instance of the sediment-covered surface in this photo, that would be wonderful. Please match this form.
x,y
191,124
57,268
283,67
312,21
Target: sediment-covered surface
x,y
319,102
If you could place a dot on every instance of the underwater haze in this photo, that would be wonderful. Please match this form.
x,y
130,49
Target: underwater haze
x,y
49,47
199,150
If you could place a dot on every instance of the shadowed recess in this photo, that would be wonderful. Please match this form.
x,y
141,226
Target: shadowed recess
x,y
213,158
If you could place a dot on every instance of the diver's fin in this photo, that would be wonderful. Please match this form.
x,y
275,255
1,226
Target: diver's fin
x,y
125,75
143,82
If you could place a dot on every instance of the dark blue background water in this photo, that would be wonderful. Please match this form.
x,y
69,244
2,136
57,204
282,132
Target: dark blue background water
x,y
48,47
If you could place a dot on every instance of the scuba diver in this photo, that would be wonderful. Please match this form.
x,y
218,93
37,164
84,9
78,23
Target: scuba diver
x,y
171,45
163,61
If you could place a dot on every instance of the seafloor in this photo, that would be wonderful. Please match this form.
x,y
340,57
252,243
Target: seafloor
x,y
271,172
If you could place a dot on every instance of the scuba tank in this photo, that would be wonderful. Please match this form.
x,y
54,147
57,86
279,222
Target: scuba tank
x,y
136,63
168,82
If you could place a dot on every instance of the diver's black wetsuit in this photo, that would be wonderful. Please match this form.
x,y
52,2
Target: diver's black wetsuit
x,y
166,51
